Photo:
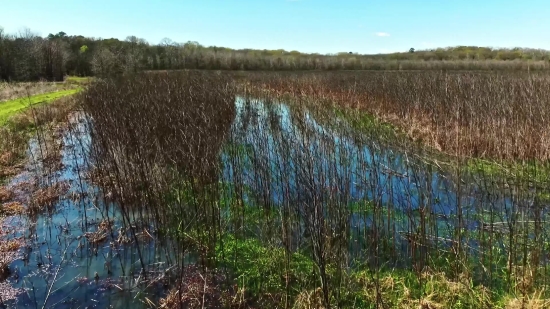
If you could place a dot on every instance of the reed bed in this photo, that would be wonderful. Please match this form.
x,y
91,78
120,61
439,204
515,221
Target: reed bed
x,y
276,191
292,190
486,115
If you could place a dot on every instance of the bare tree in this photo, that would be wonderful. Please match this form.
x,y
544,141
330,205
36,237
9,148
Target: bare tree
x,y
103,62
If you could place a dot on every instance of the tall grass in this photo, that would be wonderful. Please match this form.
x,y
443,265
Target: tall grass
x,y
269,192
487,115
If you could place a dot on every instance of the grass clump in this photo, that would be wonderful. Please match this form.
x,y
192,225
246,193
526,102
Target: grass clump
x,y
12,209
367,123
257,269
531,171
46,197
5,194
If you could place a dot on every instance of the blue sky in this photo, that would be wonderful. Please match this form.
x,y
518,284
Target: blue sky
x,y
324,26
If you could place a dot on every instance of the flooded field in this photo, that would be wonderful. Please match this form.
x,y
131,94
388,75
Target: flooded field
x,y
296,203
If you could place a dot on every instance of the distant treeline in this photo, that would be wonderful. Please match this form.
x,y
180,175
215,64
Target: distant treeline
x,y
26,56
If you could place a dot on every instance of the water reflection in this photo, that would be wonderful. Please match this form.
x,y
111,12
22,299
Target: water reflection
x,y
283,155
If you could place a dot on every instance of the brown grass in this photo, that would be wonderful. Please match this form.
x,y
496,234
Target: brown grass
x,y
11,91
534,301
198,289
8,254
13,209
5,194
469,114
10,245
101,234
12,149
310,300
46,197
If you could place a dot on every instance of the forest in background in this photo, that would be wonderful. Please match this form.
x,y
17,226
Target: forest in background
x,y
25,56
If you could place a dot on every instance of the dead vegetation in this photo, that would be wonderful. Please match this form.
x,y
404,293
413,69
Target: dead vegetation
x,y
5,194
485,115
50,153
10,245
13,209
161,142
148,144
10,91
8,254
12,151
100,235
49,114
533,301
45,198
199,289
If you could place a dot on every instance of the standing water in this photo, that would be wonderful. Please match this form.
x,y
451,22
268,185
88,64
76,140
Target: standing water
x,y
79,253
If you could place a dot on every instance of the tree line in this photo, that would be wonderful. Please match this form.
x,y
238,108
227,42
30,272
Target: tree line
x,y
27,56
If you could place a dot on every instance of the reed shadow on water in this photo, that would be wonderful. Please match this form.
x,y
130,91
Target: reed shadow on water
x,y
191,189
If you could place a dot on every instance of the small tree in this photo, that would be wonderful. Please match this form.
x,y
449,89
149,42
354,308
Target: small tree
x,y
411,50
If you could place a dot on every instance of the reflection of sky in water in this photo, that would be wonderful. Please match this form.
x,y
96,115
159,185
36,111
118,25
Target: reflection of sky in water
x,y
289,157
299,160
58,244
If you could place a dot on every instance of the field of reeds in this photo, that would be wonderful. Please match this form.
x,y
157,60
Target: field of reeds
x,y
200,189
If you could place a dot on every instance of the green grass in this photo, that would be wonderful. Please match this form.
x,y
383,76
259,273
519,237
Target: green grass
x,y
257,267
12,107
535,172
259,270
77,80
367,123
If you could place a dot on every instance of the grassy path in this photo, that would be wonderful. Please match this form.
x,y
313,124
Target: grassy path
x,y
12,107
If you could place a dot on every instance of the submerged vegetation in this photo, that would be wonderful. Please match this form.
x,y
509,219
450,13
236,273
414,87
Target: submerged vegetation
x,y
296,198
28,109
203,189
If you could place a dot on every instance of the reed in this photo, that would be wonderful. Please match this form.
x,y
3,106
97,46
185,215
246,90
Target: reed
x,y
278,190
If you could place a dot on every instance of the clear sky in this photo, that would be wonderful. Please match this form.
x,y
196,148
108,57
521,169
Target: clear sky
x,y
324,26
